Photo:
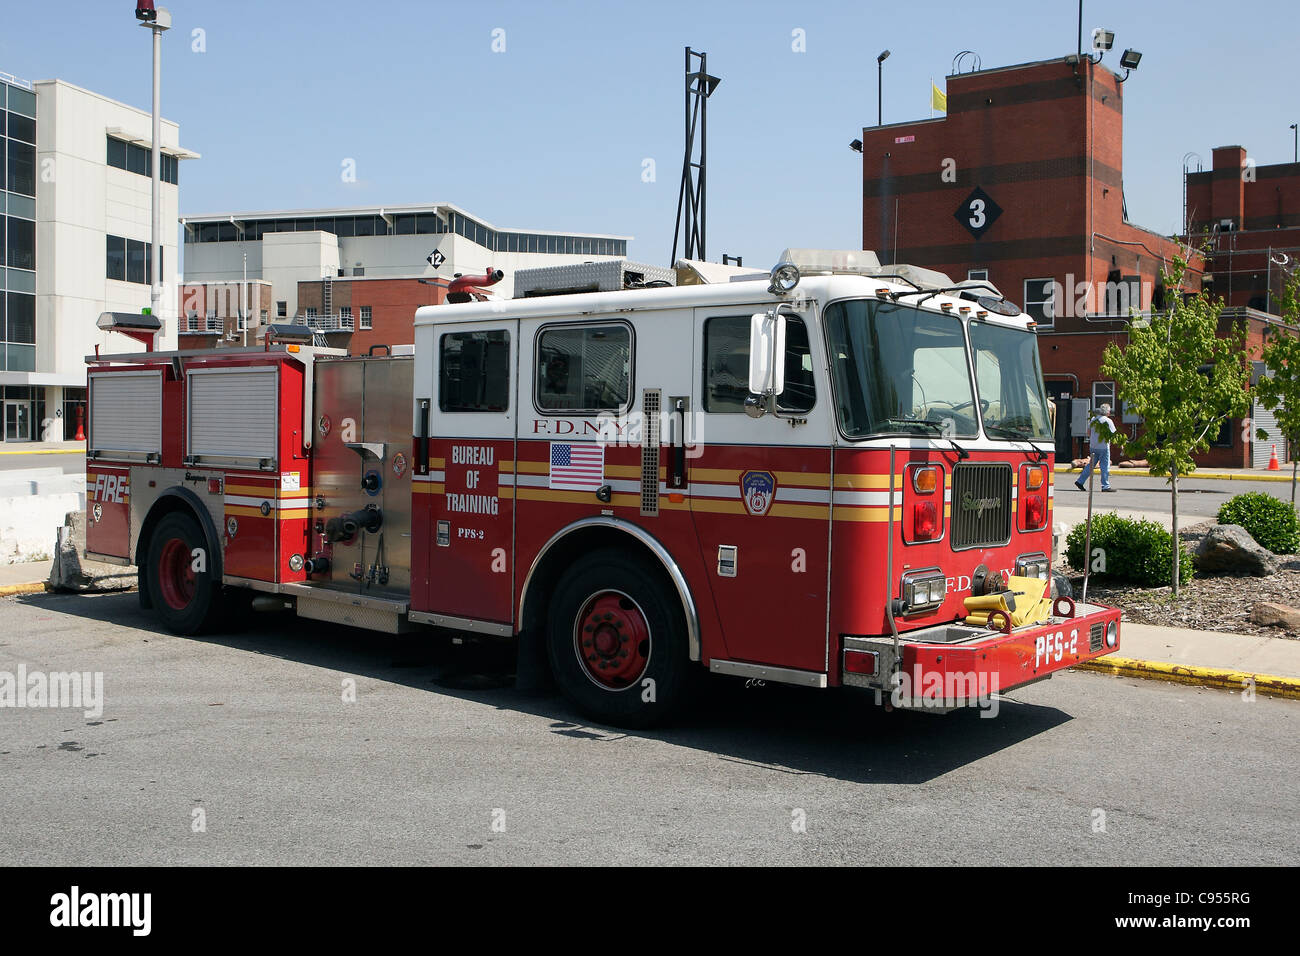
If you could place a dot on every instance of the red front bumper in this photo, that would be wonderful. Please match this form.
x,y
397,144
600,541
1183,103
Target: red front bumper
x,y
956,673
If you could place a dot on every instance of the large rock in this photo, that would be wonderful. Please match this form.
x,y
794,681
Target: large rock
x,y
1275,615
1229,549
72,572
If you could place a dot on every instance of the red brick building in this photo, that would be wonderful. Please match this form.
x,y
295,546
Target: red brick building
x,y
1021,183
365,311
1249,216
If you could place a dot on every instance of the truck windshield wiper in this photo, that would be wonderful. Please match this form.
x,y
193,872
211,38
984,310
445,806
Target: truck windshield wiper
x,y
1016,434
935,427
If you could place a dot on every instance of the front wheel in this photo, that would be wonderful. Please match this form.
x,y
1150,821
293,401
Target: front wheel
x,y
180,577
616,639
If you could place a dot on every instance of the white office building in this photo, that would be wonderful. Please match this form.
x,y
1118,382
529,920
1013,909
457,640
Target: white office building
x,y
77,217
286,247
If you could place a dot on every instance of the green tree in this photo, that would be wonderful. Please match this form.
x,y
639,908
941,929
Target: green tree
x,y
1183,378
1280,388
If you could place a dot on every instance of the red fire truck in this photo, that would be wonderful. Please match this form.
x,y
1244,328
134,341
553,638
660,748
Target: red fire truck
x,y
800,476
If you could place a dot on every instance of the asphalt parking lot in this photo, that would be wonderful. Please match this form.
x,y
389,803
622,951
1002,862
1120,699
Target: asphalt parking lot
x,y
440,760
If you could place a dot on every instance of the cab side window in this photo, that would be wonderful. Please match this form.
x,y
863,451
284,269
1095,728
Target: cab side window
x,y
474,372
584,368
726,366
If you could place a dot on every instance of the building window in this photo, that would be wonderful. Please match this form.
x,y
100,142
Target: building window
x,y
21,174
978,275
584,368
20,243
311,311
264,316
474,372
20,318
366,318
139,160
1040,305
21,127
345,317
281,310
129,260
192,322
359,271
1103,393
115,262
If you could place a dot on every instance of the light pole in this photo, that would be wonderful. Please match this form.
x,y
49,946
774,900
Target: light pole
x,y
880,75
156,21
1295,144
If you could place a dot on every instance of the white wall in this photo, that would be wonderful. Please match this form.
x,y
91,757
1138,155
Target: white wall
x,y
292,257
79,200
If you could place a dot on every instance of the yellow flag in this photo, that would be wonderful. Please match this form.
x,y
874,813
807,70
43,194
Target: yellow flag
x,y
938,99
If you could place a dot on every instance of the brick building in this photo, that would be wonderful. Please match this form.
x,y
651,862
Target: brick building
x,y
366,311
1249,216
1021,184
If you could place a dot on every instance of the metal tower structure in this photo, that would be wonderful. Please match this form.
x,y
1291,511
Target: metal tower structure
x,y
691,218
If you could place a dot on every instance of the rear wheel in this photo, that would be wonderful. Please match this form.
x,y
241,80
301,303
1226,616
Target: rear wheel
x,y
616,639
180,578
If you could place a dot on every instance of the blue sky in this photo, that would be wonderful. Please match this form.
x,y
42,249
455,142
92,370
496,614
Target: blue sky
x,y
553,132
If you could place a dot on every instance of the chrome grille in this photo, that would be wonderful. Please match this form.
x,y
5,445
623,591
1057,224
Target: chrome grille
x,y
1096,634
981,504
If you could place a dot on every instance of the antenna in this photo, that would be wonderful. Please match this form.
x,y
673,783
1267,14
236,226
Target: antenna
x,y
691,217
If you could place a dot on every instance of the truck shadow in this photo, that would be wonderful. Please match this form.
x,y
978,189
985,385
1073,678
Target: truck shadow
x,y
842,735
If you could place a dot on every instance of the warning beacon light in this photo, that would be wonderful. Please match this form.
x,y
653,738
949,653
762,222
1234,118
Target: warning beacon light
x,y
141,326
144,11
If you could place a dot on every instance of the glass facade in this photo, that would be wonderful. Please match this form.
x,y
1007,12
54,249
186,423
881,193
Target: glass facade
x,y
17,235
414,224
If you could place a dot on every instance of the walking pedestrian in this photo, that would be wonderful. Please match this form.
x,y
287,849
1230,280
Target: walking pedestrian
x,y
1099,435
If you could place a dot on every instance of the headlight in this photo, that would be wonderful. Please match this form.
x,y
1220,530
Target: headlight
x,y
1112,634
1033,565
923,591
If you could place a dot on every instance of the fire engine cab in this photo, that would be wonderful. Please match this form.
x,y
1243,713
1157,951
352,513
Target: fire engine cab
x,y
827,475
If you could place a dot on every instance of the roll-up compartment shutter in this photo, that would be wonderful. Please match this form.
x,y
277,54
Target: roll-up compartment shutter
x,y
126,413
233,413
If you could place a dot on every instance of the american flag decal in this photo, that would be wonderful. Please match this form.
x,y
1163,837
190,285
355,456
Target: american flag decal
x,y
577,467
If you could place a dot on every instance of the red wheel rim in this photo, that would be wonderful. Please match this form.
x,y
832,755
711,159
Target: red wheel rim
x,y
612,640
176,574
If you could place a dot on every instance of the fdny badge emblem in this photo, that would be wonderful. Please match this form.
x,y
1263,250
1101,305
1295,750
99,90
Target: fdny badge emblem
x,y
399,464
758,490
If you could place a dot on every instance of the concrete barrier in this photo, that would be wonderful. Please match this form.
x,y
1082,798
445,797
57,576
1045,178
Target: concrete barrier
x,y
73,572
33,503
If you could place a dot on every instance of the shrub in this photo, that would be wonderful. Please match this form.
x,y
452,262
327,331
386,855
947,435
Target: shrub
x,y
1139,551
1270,521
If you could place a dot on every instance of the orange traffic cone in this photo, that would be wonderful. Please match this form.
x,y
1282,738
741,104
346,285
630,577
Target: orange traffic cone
x,y
1272,462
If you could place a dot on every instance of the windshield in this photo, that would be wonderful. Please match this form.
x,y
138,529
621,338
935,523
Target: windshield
x,y
900,369
1010,382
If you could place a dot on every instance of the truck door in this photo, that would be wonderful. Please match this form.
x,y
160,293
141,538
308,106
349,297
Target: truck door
x,y
760,492
469,522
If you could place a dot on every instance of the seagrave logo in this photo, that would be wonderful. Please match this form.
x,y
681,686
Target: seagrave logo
x,y
979,505
55,689
73,909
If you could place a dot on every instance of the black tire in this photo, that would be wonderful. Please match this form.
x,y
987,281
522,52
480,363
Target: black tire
x,y
635,665
185,601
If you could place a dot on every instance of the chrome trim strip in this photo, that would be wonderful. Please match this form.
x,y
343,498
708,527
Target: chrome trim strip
x,y
393,605
660,552
783,675
269,587
462,623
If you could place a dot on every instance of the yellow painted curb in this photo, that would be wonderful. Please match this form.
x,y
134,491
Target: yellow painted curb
x,y
1218,475
11,589
47,451
1200,676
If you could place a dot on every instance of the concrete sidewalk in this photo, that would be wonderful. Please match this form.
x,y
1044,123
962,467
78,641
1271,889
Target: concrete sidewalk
x,y
24,578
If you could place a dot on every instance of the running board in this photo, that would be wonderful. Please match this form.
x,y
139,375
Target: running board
x,y
343,607
779,675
